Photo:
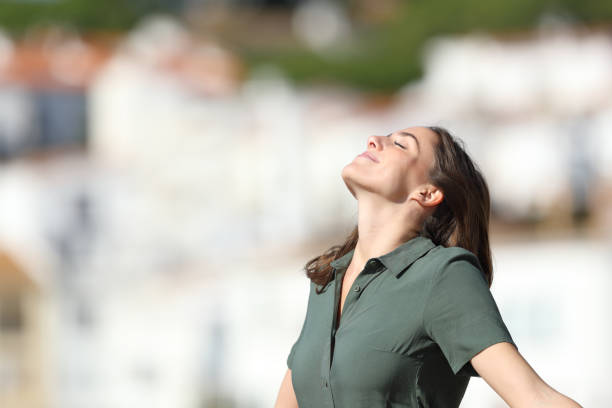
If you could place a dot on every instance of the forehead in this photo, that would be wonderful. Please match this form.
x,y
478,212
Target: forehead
x,y
425,136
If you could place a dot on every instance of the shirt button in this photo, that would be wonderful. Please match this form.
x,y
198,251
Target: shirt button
x,y
372,264
357,288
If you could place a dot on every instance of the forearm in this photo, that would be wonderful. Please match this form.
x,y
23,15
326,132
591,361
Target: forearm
x,y
515,381
551,398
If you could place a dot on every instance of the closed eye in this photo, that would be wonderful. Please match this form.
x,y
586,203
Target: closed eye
x,y
400,145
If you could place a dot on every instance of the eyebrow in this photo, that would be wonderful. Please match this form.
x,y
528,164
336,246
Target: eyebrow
x,y
411,135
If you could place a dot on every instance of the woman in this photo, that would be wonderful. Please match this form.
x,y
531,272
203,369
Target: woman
x,y
401,314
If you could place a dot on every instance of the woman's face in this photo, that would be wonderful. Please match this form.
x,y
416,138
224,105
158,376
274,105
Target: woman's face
x,y
393,166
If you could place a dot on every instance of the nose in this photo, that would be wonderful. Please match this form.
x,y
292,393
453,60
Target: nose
x,y
374,142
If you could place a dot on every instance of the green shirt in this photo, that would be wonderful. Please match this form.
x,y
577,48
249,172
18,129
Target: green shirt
x,y
410,324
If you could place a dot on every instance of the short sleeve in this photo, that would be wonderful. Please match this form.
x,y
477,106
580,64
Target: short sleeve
x,y
461,315
292,351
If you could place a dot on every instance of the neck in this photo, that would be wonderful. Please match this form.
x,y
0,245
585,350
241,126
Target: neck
x,y
383,226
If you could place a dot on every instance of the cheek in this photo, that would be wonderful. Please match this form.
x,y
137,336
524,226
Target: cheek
x,y
396,182
407,179
416,174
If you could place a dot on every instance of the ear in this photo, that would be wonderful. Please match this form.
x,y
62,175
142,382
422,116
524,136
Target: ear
x,y
428,195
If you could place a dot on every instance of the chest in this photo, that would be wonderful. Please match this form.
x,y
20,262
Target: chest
x,y
376,309
376,344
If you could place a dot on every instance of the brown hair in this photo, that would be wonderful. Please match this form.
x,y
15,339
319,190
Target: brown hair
x,y
461,219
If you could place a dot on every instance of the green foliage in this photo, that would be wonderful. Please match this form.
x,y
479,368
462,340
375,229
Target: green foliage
x,y
83,15
390,55
383,57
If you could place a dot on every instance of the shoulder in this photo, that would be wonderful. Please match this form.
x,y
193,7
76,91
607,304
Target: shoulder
x,y
447,255
318,291
453,259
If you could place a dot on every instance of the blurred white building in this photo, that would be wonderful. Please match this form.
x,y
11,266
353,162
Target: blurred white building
x,y
521,104
169,251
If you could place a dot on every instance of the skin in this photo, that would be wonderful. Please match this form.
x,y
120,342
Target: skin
x,y
394,197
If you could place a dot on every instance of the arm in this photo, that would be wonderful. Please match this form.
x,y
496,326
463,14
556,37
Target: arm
x,y
286,396
510,376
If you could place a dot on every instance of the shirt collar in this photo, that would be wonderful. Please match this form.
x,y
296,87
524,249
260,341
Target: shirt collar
x,y
397,260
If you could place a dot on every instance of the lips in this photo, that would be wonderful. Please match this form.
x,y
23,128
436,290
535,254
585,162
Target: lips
x,y
369,155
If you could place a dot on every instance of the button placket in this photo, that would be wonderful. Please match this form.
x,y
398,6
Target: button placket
x,y
372,270
370,267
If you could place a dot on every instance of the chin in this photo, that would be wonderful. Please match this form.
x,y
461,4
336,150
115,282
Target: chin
x,y
346,173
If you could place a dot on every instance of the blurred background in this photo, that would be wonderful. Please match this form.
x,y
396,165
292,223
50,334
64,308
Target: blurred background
x,y
168,167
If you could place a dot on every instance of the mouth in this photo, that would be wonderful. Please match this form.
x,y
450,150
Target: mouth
x,y
369,156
